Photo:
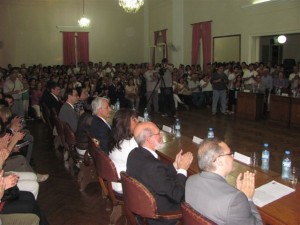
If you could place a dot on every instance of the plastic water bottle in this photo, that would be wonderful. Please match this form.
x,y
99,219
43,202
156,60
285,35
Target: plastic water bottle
x,y
265,157
210,133
177,128
117,105
146,115
286,165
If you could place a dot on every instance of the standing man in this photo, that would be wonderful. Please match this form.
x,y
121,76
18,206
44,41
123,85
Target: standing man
x,y
165,182
219,82
13,86
194,86
152,86
210,194
267,84
167,100
67,112
249,77
100,129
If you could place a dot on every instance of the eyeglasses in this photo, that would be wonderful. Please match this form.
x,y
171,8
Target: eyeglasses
x,y
230,153
159,133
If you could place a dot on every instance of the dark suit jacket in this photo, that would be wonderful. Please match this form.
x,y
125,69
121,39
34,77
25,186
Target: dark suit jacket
x,y
101,131
51,102
69,115
212,196
161,179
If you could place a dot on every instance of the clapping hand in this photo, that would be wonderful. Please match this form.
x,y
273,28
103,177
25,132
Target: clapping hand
x,y
11,181
2,184
183,161
246,184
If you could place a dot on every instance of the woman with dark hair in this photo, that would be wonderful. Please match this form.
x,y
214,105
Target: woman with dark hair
x,y
122,143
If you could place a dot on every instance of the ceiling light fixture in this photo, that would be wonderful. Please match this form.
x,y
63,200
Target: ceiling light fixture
x,y
84,21
131,6
281,39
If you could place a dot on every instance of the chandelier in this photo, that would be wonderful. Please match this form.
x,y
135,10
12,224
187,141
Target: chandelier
x,y
84,21
131,6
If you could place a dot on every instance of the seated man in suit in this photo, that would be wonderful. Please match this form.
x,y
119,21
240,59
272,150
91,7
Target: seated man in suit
x,y
67,112
51,99
165,182
210,194
100,128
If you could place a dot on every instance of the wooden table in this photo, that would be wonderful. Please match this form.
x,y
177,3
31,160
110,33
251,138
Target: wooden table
x,y
285,210
295,112
250,105
280,109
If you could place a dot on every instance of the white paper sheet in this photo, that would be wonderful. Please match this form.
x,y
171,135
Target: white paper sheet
x,y
270,192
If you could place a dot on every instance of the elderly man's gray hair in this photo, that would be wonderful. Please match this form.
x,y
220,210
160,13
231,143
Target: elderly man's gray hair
x,y
97,104
142,136
208,151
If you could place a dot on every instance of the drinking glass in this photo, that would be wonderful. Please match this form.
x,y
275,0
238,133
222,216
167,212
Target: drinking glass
x,y
294,176
254,159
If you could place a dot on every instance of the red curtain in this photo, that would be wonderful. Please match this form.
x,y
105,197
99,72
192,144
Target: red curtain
x,y
83,47
195,42
69,48
203,31
206,43
164,37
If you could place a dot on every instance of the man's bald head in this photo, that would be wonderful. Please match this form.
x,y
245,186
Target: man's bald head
x,y
143,131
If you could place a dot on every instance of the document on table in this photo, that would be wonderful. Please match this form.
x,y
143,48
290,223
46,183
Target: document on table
x,y
270,192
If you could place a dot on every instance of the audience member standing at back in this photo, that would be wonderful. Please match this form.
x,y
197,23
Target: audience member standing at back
x,y
13,86
219,82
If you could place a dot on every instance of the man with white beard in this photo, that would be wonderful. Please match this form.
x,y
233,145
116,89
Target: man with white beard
x,y
165,181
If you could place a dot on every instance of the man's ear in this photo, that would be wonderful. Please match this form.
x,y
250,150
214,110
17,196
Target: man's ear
x,y
219,162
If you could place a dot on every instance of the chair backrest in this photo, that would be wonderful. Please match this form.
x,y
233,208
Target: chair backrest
x,y
191,217
93,146
105,167
60,130
47,116
137,197
69,135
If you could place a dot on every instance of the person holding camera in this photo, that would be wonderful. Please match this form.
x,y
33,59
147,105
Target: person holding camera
x,y
152,85
166,90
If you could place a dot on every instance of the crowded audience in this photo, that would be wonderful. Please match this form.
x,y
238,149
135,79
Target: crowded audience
x,y
84,96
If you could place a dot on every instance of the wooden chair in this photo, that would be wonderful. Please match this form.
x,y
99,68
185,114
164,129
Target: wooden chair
x,y
191,217
139,201
107,173
71,143
47,117
59,125
87,172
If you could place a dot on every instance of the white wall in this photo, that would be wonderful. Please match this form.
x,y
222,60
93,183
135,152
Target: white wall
x,y
232,17
29,34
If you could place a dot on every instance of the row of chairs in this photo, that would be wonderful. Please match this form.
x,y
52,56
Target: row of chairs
x,y
72,160
136,199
